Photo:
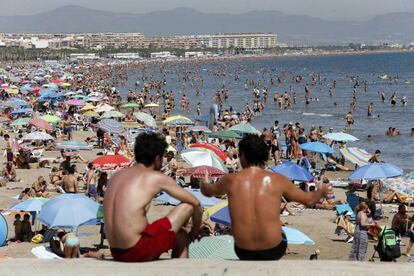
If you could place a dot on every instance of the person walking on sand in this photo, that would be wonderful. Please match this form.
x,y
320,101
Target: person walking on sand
x,y
128,198
254,197
360,243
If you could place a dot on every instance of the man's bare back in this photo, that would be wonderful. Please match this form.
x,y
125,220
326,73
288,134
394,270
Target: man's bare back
x,y
254,196
128,199
70,184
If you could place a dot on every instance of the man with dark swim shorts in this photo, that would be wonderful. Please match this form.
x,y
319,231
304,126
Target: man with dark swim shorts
x,y
254,198
128,198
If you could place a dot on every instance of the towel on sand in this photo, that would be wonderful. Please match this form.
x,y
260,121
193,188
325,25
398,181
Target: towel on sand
x,y
42,253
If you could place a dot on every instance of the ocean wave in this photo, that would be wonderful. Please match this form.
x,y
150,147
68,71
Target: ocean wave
x,y
314,114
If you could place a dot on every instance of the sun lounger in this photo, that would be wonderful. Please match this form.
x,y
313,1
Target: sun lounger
x,y
355,156
42,253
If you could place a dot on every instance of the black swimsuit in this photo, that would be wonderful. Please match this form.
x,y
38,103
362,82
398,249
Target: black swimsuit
x,y
272,254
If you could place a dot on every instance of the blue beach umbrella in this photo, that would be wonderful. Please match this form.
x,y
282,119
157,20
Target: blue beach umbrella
x,y
204,201
376,171
293,235
340,136
69,211
21,111
4,230
30,205
111,126
292,171
316,147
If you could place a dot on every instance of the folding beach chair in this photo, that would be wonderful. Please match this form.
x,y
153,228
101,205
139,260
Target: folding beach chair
x,y
342,208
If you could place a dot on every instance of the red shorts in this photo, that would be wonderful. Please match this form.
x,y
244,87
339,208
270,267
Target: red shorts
x,y
156,239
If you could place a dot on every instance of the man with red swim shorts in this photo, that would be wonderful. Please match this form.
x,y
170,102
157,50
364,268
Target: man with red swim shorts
x,y
128,198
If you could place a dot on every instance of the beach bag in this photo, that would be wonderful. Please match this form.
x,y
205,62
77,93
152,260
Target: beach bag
x,y
389,247
37,239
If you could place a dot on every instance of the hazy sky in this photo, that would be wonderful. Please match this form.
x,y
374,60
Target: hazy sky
x,y
327,9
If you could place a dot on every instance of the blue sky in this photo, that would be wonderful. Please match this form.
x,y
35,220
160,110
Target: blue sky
x,y
326,9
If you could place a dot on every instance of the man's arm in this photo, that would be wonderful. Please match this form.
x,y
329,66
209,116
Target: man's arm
x,y
295,194
168,185
217,189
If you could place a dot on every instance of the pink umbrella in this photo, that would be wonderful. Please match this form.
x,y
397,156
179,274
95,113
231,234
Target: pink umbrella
x,y
75,102
41,124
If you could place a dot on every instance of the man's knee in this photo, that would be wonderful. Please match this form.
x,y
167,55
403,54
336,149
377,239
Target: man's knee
x,y
187,209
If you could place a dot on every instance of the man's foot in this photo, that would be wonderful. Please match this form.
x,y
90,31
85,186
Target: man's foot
x,y
350,240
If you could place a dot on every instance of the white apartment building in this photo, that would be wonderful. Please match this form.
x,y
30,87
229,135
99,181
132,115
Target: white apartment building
x,y
239,40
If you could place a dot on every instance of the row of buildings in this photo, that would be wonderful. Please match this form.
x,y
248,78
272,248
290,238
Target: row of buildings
x,y
247,41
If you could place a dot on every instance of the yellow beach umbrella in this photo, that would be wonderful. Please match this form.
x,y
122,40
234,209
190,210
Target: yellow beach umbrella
x,y
178,120
87,107
214,209
12,91
66,85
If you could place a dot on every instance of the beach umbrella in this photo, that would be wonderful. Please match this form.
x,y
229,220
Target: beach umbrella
x,y
201,171
146,118
206,146
376,171
87,107
111,126
15,102
111,162
50,118
69,211
130,105
213,248
244,128
340,137
178,120
74,145
103,108
29,205
199,157
165,198
75,102
66,85
151,105
37,135
293,235
199,128
21,111
403,184
317,147
112,114
39,123
12,91
292,171
20,122
129,125
51,86
225,134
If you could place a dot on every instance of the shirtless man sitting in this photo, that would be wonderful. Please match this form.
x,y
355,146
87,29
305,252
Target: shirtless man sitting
x,y
128,199
70,182
254,196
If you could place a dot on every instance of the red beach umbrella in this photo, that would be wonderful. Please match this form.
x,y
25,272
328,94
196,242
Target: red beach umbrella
x,y
41,124
111,162
200,171
222,155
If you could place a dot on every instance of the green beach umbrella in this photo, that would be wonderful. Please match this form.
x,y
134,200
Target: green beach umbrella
x,y
244,128
225,134
130,105
20,122
50,118
112,114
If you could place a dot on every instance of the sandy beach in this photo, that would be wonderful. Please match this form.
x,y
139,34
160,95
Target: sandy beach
x,y
317,224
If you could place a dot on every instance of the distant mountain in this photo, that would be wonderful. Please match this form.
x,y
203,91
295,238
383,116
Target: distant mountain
x,y
182,21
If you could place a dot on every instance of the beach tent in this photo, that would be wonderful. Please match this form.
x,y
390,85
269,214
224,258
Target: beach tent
x,y
4,230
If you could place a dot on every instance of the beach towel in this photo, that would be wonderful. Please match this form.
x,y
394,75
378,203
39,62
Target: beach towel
x,y
354,159
342,208
42,253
